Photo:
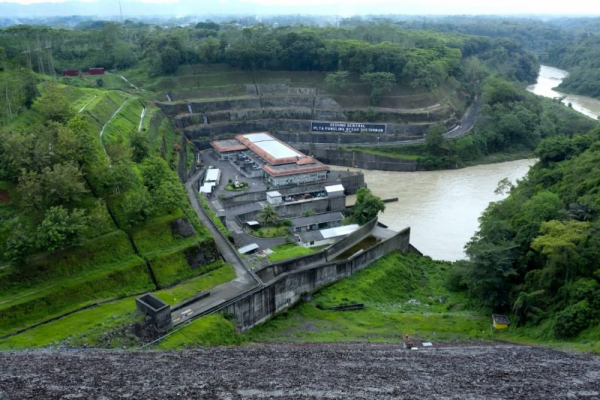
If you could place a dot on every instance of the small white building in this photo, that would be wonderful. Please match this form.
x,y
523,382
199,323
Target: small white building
x,y
207,187
335,190
213,175
326,236
274,198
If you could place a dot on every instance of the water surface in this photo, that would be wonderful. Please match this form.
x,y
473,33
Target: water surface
x,y
441,207
549,78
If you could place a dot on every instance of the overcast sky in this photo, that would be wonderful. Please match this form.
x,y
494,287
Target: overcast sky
x,y
338,7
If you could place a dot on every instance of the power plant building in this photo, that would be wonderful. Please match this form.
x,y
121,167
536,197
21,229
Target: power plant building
x,y
280,164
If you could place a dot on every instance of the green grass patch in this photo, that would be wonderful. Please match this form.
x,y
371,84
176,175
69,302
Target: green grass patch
x,y
271,231
124,123
156,236
190,288
212,330
173,267
105,251
288,250
233,188
85,325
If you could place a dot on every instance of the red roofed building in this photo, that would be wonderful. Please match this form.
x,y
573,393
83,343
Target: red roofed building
x,y
282,164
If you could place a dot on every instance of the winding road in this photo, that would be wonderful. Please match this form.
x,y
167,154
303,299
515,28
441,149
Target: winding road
x,y
466,125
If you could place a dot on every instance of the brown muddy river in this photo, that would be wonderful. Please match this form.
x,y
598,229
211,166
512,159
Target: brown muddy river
x,y
549,78
441,207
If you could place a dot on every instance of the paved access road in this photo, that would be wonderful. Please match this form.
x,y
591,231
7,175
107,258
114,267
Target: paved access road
x,y
466,125
292,371
244,280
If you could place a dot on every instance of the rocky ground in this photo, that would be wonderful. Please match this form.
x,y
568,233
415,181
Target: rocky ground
x,y
302,371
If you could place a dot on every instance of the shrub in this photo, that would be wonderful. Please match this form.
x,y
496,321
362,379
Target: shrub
x,y
573,319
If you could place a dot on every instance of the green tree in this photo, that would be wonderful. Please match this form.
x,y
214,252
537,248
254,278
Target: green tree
x,y
54,105
169,60
167,197
435,140
140,148
63,184
337,82
268,215
61,228
20,243
558,241
367,206
136,207
381,83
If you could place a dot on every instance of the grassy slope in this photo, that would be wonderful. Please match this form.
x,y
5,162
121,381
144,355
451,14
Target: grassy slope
x,y
90,326
385,288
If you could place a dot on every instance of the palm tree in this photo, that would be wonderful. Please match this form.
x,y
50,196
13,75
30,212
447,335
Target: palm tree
x,y
268,215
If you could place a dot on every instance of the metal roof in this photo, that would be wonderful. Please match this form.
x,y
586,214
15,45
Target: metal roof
x,y
212,175
330,233
317,219
334,188
248,248
274,193
253,223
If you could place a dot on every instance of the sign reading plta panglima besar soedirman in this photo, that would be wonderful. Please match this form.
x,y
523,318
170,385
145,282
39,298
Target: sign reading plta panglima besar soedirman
x,y
347,127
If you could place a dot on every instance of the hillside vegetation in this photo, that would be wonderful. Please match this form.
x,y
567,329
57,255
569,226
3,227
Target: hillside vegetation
x,y
91,211
536,253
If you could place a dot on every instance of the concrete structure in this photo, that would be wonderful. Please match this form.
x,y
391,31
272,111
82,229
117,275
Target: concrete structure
x,y
274,198
156,309
316,222
334,191
286,282
325,236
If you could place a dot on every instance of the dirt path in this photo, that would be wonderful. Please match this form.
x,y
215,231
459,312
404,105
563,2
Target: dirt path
x,y
341,371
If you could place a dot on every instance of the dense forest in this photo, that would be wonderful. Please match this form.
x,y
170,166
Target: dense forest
x,y
536,253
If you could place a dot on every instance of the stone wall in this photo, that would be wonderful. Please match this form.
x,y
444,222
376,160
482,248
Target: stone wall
x,y
287,289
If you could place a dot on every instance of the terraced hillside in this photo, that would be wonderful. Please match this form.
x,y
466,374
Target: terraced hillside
x,y
208,103
134,244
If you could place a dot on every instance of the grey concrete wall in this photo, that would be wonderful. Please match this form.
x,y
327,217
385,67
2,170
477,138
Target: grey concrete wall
x,y
294,210
298,131
286,289
350,240
363,160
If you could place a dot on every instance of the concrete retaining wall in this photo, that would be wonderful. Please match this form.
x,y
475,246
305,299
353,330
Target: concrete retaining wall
x,y
286,289
298,131
357,159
